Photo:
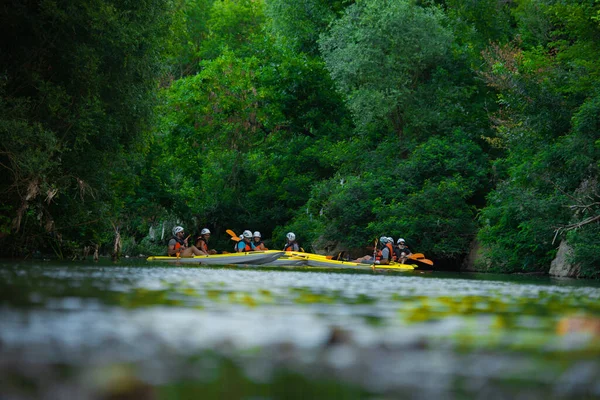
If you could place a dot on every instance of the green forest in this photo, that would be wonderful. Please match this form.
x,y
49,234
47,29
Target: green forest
x,y
455,124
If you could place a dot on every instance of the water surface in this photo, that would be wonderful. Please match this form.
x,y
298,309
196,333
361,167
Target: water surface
x,y
169,331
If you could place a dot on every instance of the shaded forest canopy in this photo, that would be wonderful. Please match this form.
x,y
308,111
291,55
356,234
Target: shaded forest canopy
x,y
443,122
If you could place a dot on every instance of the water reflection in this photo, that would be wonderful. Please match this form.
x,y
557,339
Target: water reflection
x,y
151,328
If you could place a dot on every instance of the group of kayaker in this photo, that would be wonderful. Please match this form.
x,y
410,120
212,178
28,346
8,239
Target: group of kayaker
x,y
253,241
248,241
398,252
179,247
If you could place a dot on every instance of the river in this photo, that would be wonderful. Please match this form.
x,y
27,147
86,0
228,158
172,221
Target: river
x,y
134,330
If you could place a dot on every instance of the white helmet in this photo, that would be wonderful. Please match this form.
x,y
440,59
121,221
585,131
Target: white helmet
x,y
205,231
291,237
383,240
176,230
257,234
400,241
247,234
390,239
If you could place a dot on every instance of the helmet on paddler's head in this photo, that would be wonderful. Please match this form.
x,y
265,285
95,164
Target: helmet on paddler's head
x,y
205,231
290,236
390,239
257,234
176,230
247,234
383,240
401,241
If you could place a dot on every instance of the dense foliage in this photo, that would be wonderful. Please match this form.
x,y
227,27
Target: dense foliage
x,y
76,97
445,122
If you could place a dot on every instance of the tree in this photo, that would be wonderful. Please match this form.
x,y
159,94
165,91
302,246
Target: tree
x,y
300,23
379,53
548,123
78,88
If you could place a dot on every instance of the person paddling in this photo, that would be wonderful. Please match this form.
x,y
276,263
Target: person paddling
x,y
258,243
178,246
246,243
380,256
202,242
291,244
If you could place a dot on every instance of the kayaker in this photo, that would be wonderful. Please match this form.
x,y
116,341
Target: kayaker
x,y
403,251
385,255
246,243
258,244
291,244
178,246
393,246
237,242
202,242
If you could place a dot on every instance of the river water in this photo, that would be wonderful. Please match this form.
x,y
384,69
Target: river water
x,y
134,330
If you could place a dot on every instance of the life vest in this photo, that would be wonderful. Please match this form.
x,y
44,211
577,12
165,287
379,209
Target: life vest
x,y
202,244
259,245
247,248
178,244
391,255
290,247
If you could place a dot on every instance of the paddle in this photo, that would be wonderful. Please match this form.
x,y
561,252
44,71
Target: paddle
x,y
374,254
419,255
423,260
234,237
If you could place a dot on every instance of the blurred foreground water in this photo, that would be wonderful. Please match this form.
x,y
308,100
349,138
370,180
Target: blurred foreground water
x,y
132,330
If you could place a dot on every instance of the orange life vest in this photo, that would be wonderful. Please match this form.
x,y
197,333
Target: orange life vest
x,y
290,247
259,245
391,255
201,243
248,247
178,244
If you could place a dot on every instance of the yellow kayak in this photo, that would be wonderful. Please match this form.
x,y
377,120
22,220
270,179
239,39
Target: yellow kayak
x,y
321,261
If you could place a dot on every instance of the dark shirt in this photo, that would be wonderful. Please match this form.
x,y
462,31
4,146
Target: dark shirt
x,y
404,249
